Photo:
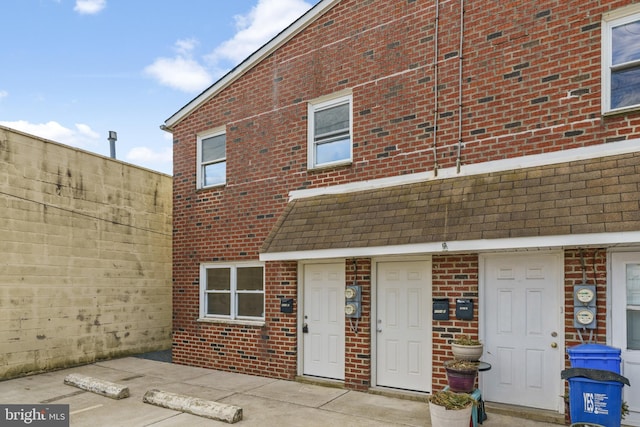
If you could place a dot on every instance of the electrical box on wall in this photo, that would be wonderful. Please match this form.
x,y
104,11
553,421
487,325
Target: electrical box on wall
x,y
464,309
353,299
584,306
441,309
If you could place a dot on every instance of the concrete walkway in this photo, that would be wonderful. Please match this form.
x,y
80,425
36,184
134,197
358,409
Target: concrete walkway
x,y
265,401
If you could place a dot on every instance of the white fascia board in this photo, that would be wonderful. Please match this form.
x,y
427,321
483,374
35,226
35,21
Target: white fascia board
x,y
255,58
465,246
563,156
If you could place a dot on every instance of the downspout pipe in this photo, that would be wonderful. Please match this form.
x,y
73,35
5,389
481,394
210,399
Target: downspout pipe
x,y
459,157
435,92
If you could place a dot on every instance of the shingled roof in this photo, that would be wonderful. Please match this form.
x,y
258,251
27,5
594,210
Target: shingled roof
x,y
589,196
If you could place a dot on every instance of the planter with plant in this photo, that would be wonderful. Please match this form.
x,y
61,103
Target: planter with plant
x,y
449,409
461,375
467,348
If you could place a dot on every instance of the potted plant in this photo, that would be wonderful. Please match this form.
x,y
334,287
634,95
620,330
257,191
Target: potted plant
x,y
461,375
449,409
467,348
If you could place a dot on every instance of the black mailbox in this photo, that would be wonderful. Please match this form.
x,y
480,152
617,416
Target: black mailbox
x,y
441,309
286,305
464,309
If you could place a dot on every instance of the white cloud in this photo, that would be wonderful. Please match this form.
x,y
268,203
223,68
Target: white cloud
x,y
253,30
3,94
147,156
89,7
181,72
260,25
82,136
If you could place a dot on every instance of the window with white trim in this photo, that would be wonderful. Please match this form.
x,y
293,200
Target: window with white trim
x,y
212,159
232,291
621,60
330,133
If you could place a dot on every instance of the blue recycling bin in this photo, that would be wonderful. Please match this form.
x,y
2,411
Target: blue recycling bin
x,y
595,356
595,396
598,402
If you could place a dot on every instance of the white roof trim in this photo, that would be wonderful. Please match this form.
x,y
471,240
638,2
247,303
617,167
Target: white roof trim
x,y
563,156
465,246
283,37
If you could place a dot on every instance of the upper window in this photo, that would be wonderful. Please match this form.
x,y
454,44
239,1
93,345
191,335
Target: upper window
x,y
212,159
621,60
232,291
330,133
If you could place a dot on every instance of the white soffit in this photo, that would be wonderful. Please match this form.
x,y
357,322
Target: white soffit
x,y
492,245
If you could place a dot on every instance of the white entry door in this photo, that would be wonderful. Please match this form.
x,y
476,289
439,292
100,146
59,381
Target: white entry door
x,y
625,325
404,325
523,334
323,319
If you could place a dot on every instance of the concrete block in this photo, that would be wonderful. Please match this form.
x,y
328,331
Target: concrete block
x,y
204,408
98,386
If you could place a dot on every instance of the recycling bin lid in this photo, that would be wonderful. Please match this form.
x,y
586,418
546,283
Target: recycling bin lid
x,y
593,374
589,349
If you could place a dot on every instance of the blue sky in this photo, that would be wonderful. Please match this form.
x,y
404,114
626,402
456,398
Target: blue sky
x,y
72,70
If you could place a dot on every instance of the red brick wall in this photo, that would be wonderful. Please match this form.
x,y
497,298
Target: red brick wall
x,y
595,261
454,276
268,350
358,334
530,84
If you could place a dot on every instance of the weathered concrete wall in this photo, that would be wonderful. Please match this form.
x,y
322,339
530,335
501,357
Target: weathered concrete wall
x,y
85,256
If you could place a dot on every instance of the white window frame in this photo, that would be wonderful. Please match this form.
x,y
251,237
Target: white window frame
x,y
200,176
318,105
611,20
233,292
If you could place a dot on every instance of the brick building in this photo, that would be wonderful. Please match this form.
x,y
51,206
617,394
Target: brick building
x,y
477,152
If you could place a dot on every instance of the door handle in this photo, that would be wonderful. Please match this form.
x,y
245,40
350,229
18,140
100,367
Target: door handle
x,y
554,345
305,329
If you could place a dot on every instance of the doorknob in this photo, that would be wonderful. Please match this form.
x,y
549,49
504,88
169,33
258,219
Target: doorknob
x,y
554,345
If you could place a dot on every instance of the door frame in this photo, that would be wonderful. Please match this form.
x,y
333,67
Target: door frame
x,y
482,308
300,307
609,303
634,417
374,308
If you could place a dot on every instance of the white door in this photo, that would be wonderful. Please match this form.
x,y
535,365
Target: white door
x,y
523,333
625,325
323,319
404,325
